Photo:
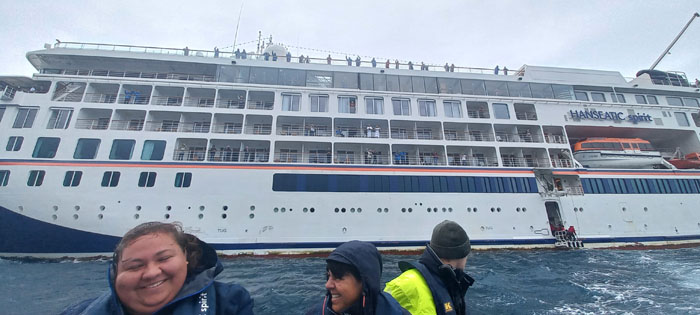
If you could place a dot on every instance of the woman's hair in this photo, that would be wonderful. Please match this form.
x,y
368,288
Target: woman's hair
x,y
187,242
340,270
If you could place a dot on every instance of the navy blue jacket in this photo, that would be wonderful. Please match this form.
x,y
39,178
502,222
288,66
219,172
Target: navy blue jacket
x,y
199,295
367,260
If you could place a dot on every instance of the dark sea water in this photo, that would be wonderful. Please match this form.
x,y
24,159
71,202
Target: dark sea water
x,y
508,282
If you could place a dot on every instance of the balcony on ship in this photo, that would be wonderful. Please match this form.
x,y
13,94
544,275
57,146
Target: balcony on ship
x,y
304,126
472,156
362,153
554,134
525,111
221,150
190,149
361,128
163,121
302,152
168,96
195,122
132,120
561,158
231,99
199,97
420,130
468,132
258,125
478,110
524,157
262,100
517,133
102,93
68,91
135,94
408,154
228,123
92,118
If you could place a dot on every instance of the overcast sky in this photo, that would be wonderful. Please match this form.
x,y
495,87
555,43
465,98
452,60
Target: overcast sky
x,y
624,36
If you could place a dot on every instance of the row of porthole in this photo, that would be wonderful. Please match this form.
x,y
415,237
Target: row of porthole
x,y
137,216
352,210
623,209
436,209
283,209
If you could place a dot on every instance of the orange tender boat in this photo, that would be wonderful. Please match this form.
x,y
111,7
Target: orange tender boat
x,y
692,160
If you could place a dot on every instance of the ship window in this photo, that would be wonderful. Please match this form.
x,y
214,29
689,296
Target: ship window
x,y
541,90
500,111
617,98
345,80
2,112
110,179
36,178
563,92
626,145
641,99
183,179
86,148
431,85
72,178
392,83
59,119
347,104
46,147
375,105
25,118
519,89
691,102
380,82
682,119
236,74
14,143
402,106
319,103
4,177
122,149
427,108
418,84
597,97
261,75
320,79
290,102
147,179
405,83
153,150
674,101
473,87
449,86
496,88
366,81
453,109
292,77
652,99
581,96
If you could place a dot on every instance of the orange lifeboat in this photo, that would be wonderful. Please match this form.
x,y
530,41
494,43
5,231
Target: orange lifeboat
x,y
691,160
628,153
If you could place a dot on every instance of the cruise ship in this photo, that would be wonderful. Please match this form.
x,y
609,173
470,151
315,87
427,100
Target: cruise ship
x,y
269,153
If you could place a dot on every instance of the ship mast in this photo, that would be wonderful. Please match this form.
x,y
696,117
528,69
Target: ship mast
x,y
674,41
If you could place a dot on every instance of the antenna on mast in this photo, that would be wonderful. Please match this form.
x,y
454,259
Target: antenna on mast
x,y
259,41
673,42
235,37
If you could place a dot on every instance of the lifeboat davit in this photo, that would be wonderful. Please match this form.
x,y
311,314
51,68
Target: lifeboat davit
x,y
626,153
692,160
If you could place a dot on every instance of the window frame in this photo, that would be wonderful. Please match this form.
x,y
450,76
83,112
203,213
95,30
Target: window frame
x,y
292,106
72,178
452,104
14,143
318,103
425,106
36,178
401,107
374,106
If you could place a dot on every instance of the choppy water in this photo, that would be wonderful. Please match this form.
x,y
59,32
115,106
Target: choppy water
x,y
508,282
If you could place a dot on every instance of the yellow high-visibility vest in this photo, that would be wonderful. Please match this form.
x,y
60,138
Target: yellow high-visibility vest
x,y
412,292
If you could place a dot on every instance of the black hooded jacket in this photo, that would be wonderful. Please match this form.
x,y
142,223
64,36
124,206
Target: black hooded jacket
x,y
367,260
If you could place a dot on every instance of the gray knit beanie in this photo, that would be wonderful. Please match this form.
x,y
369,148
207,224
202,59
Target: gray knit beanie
x,y
450,241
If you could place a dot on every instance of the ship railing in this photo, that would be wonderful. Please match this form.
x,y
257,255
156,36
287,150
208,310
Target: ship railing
x,y
162,126
514,137
196,127
562,163
229,128
525,162
94,124
526,116
67,97
131,125
354,132
264,105
134,99
100,98
478,114
230,103
366,159
306,131
555,139
167,100
7,93
463,136
418,134
426,159
474,161
231,155
576,190
198,101
258,129
131,74
189,155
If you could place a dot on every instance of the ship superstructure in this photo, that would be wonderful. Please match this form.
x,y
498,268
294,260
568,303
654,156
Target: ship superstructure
x,y
280,153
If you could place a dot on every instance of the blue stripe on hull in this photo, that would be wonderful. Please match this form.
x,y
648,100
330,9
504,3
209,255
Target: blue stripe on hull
x,y
21,234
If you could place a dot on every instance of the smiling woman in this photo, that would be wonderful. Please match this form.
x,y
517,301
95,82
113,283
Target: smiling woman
x,y
159,269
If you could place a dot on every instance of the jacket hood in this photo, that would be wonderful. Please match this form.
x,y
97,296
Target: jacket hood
x,y
367,260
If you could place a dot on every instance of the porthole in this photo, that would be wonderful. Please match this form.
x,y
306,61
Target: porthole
x,y
136,216
624,209
20,208
645,226
312,210
201,208
251,216
469,209
75,216
343,210
493,209
55,208
225,208
449,209
223,215
517,209
345,229
386,210
444,209
138,208
513,228
77,208
524,209
474,209
410,210
167,216
102,208
403,210
435,209
189,207
168,208
429,210
575,209
283,210
359,210
646,209
498,209
290,209
337,210
54,217
532,228
252,208
379,210
305,210
352,210
580,209
482,228
276,209
100,216
201,216
609,226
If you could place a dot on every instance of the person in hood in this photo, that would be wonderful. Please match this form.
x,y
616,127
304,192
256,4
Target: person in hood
x,y
159,269
353,271
436,284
